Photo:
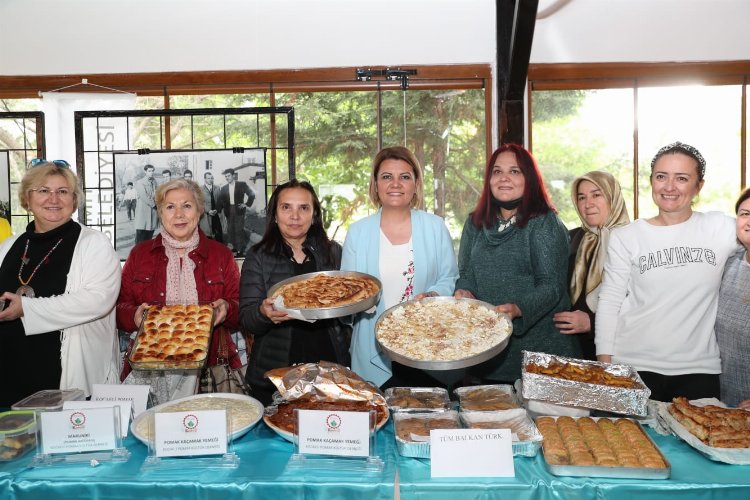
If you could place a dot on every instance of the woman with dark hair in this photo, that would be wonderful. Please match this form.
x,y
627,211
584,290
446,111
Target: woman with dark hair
x,y
513,254
410,250
660,292
734,313
294,243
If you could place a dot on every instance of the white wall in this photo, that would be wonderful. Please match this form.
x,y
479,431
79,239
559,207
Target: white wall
x,y
643,31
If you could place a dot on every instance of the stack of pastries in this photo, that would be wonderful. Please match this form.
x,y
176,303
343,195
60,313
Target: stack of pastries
x,y
604,442
715,426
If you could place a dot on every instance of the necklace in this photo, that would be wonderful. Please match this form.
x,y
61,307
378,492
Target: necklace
x,y
503,224
25,289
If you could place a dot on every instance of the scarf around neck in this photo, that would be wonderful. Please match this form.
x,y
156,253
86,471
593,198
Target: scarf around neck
x,y
592,252
181,288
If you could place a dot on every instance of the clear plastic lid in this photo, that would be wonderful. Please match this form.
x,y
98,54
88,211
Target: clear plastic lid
x,y
49,399
14,422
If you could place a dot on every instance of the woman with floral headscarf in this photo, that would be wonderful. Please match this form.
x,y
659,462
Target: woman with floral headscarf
x,y
598,199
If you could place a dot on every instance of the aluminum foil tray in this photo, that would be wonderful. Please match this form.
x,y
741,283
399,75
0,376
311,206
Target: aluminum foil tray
x,y
417,399
333,312
419,449
441,365
516,419
487,397
613,472
582,394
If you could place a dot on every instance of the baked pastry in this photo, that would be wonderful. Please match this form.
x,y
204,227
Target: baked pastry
x,y
441,330
487,398
417,398
590,374
406,428
323,290
174,335
603,442
713,425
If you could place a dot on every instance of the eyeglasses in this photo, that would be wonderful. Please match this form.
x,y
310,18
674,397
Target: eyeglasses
x,y
62,193
35,162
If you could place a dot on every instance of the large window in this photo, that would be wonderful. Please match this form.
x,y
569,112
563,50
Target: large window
x,y
617,125
340,123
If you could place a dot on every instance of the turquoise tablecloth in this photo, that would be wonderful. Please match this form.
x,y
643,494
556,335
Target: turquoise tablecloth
x,y
261,474
693,477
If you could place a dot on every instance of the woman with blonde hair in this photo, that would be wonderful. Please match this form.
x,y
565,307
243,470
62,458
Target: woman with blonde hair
x,y
61,281
598,199
410,251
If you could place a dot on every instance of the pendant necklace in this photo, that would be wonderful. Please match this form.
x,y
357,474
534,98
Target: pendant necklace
x,y
503,224
25,290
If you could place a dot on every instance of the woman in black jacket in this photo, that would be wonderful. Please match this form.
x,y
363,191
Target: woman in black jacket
x,y
294,243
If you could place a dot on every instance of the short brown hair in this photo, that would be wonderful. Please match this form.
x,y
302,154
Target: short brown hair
x,y
180,183
36,175
397,153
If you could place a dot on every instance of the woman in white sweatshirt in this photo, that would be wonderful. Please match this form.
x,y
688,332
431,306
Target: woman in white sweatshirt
x,y
660,289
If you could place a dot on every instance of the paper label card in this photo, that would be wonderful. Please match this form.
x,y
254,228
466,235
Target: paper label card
x,y
137,394
190,433
471,453
77,430
341,433
126,410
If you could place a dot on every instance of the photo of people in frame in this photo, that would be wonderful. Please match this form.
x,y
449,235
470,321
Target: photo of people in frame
x,y
234,188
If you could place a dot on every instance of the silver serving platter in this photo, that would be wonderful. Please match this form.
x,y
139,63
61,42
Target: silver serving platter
x,y
440,365
332,312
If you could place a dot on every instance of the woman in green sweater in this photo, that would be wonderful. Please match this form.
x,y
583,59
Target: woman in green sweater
x,y
514,254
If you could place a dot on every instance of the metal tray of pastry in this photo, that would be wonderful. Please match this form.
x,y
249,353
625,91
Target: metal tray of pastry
x,y
338,311
453,364
492,397
526,437
611,398
420,449
417,399
620,472
171,363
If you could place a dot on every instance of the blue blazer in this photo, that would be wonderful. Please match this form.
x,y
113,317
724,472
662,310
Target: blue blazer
x,y
435,271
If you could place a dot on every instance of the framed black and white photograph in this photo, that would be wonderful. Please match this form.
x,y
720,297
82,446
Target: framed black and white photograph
x,y
4,186
234,188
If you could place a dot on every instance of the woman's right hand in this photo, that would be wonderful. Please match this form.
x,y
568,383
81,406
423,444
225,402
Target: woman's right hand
x,y
267,310
604,358
463,294
138,317
571,322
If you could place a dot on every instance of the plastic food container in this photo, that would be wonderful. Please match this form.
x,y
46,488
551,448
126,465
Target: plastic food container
x,y
417,399
413,430
173,337
526,437
49,399
17,434
487,397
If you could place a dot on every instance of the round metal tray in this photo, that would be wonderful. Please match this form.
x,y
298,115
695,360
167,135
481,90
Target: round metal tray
x,y
333,312
452,364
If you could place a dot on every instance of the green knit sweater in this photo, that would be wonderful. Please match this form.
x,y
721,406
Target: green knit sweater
x,y
527,267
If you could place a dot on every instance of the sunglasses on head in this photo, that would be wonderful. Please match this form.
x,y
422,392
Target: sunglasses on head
x,y
35,162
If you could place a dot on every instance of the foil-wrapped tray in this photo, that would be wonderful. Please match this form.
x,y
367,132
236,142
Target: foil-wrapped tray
x,y
487,397
458,362
612,471
412,430
417,399
332,312
628,401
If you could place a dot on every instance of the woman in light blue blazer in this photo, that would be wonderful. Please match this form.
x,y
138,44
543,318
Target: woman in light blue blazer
x,y
409,250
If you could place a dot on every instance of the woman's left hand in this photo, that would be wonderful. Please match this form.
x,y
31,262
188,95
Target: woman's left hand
x,y
745,405
511,310
425,295
221,307
13,308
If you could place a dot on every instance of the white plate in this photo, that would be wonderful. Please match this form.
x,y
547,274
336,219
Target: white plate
x,y
196,397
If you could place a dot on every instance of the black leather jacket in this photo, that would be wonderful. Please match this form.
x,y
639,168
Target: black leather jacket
x,y
272,343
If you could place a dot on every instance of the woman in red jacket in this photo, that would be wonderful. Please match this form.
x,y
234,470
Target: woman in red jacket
x,y
180,266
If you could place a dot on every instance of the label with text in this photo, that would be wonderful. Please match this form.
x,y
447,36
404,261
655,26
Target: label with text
x,y
190,433
340,433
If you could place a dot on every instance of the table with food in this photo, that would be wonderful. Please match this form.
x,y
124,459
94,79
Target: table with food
x,y
579,428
